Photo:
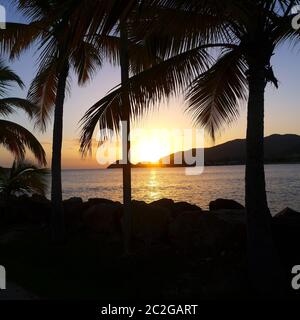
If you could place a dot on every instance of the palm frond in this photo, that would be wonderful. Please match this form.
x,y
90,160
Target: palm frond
x,y
8,106
86,60
283,31
215,96
16,139
7,78
144,90
184,31
35,9
42,91
24,178
17,37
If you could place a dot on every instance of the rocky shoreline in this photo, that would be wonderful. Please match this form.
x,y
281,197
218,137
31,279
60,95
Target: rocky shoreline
x,y
182,224
206,238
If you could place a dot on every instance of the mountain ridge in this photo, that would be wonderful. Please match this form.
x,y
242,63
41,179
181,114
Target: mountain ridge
x,y
279,148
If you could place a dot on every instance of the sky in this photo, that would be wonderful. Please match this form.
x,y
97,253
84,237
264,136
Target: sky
x,y
282,112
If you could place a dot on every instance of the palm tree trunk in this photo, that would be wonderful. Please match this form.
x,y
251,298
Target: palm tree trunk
x,y
58,232
264,266
124,60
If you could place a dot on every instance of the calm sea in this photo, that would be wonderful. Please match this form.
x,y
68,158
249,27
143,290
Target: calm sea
x,y
283,185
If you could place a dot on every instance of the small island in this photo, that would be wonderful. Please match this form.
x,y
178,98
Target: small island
x,y
279,149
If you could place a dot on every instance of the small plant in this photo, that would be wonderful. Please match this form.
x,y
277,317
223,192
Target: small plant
x,y
23,178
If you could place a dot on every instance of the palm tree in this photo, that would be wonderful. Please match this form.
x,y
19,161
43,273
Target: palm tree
x,y
69,35
247,34
134,57
23,178
62,45
14,137
129,60
124,62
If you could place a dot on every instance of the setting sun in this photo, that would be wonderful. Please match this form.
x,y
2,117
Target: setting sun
x,y
150,149
151,152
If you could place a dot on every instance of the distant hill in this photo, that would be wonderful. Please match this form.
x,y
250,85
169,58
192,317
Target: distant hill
x,y
278,149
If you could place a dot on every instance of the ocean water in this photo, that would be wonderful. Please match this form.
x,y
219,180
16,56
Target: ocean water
x,y
283,185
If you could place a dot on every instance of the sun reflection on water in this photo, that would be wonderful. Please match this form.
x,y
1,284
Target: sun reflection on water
x,y
153,185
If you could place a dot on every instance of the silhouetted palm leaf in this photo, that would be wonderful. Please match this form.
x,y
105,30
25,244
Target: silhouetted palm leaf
x,y
85,58
8,78
23,178
18,36
42,92
144,89
15,138
184,31
140,57
8,106
215,96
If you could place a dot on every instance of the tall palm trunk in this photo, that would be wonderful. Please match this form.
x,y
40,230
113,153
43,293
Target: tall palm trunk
x,y
124,61
56,186
264,267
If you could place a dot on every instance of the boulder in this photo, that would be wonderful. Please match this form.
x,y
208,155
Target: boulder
x,y
73,201
286,230
186,231
203,233
39,209
24,209
228,204
138,203
179,207
288,214
103,218
95,201
37,198
164,203
231,216
73,210
149,222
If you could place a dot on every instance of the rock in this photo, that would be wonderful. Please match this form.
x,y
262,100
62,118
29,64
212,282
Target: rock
x,y
204,233
37,198
286,226
38,209
186,231
103,219
289,214
73,210
74,200
149,222
136,203
164,203
24,209
179,207
228,204
231,216
286,230
94,201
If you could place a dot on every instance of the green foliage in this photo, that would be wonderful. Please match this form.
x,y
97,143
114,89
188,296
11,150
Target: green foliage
x,y
23,178
14,137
